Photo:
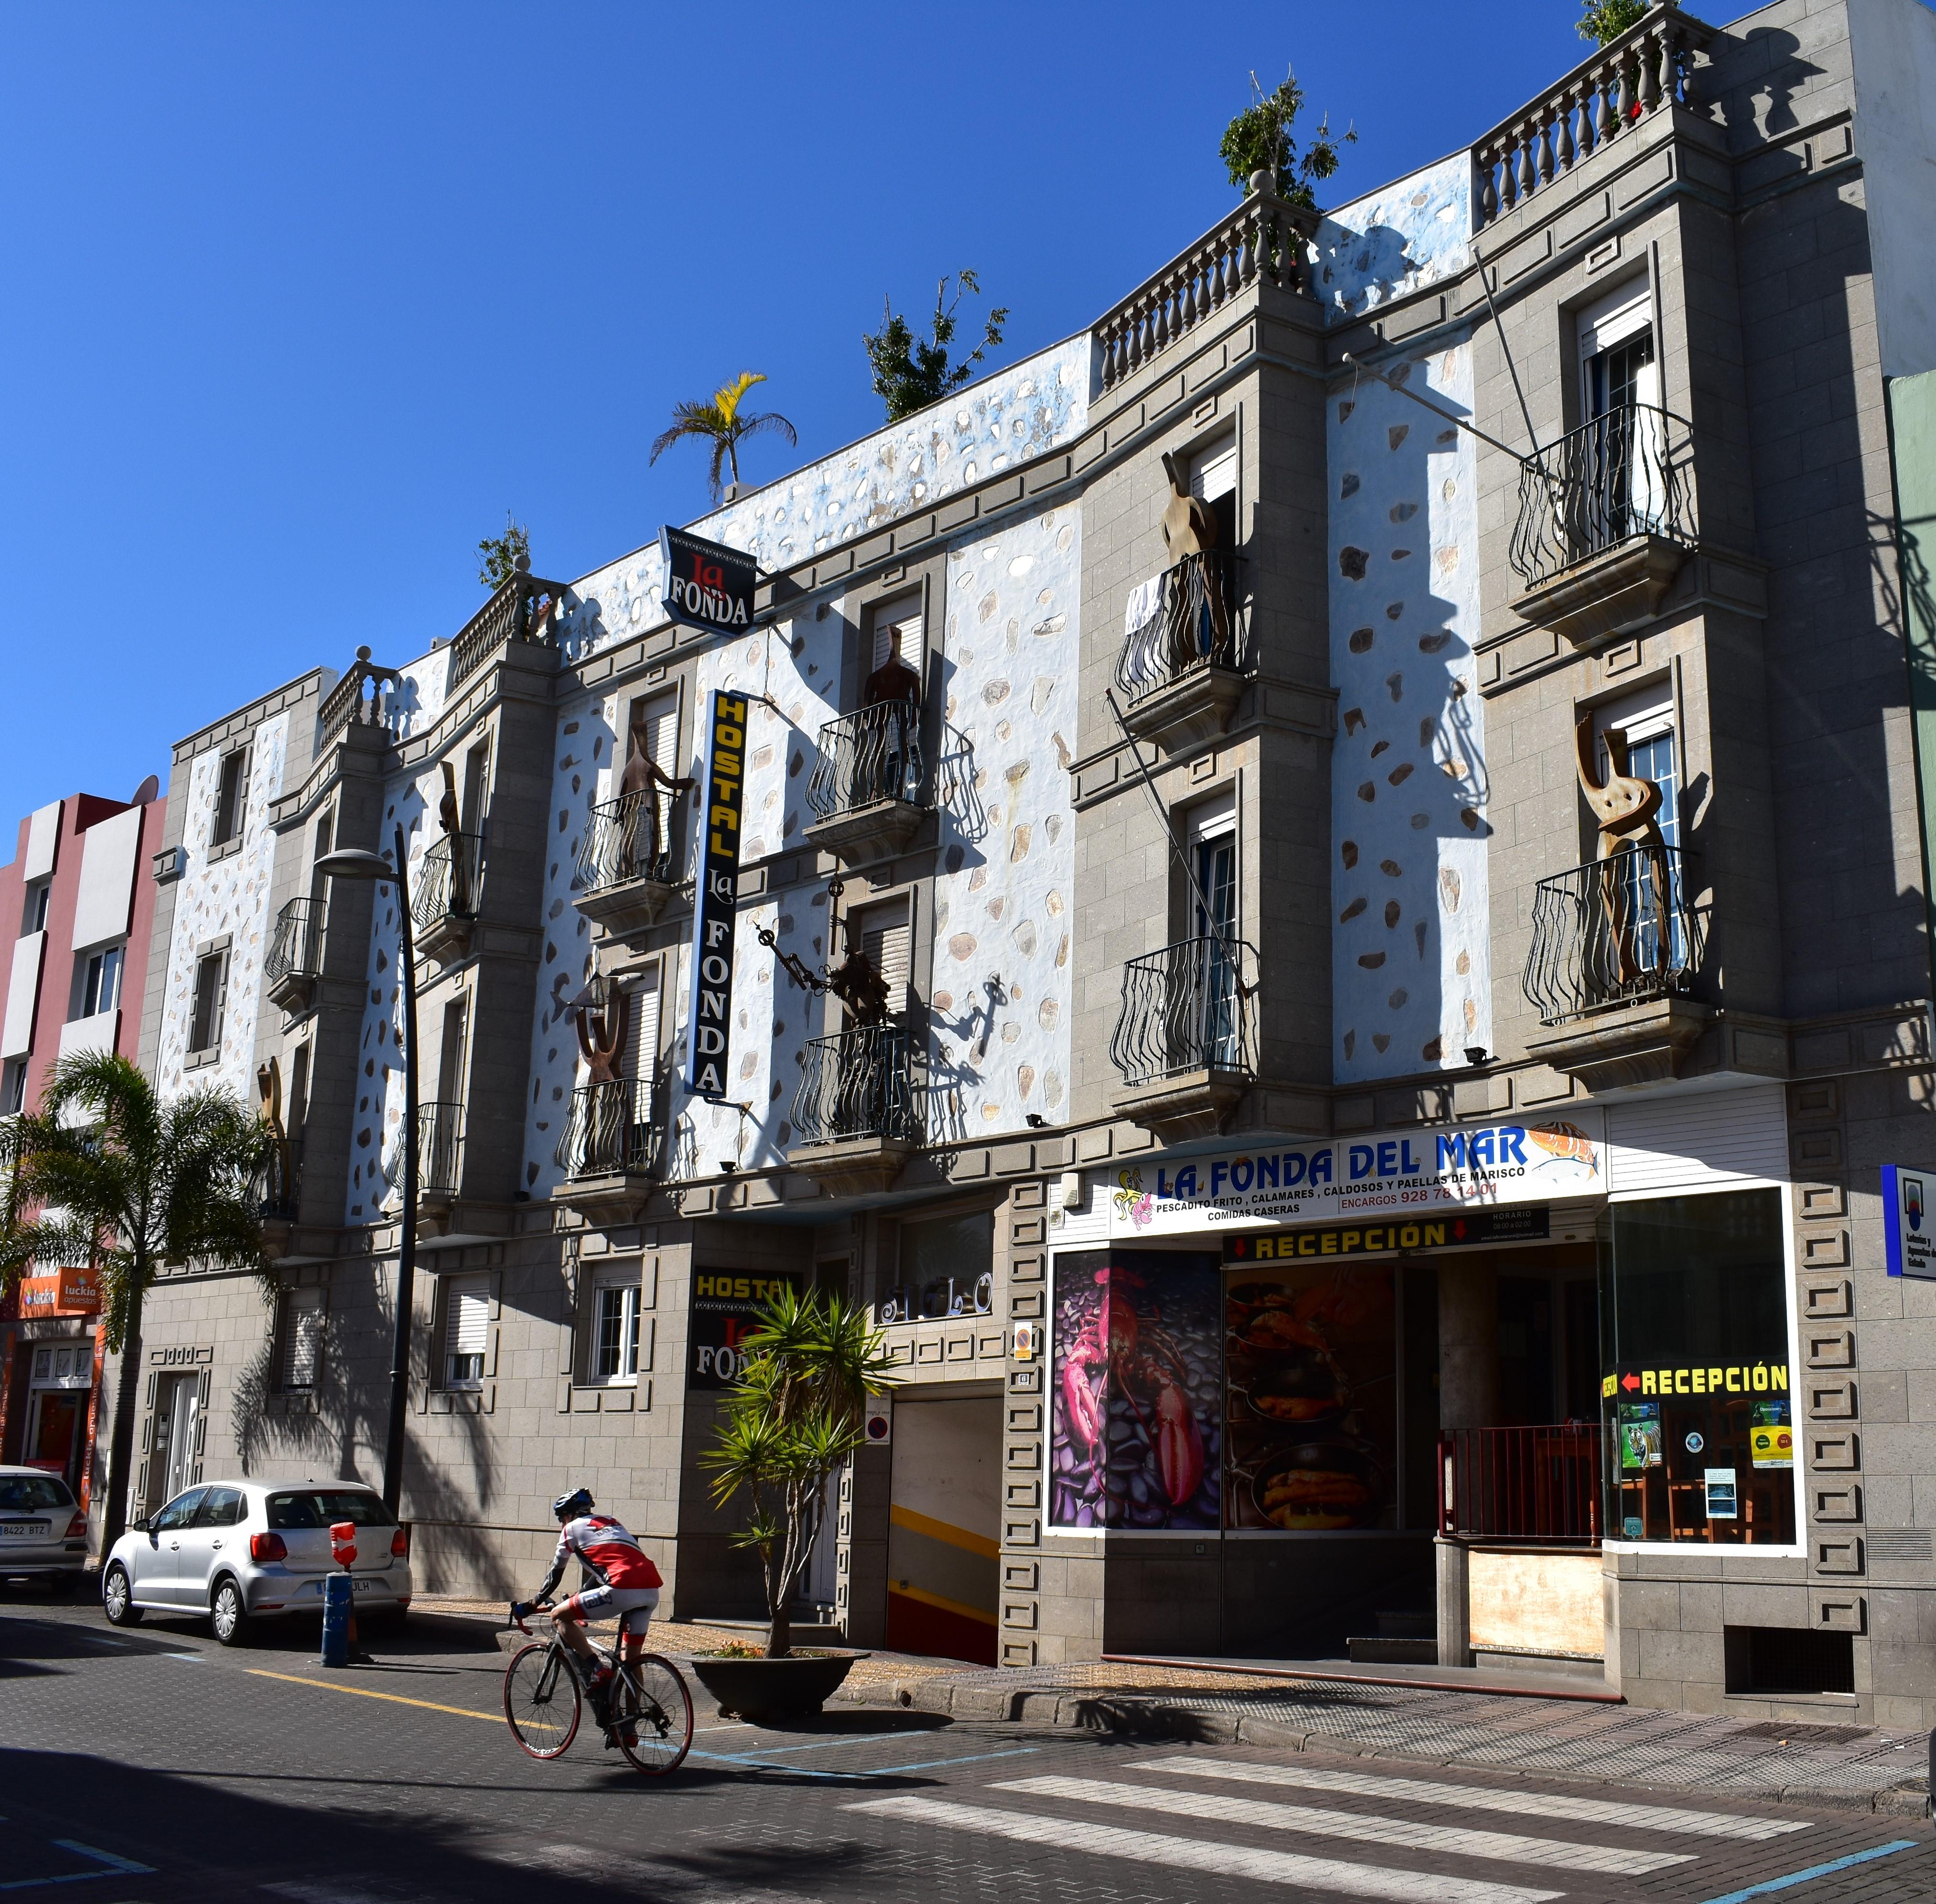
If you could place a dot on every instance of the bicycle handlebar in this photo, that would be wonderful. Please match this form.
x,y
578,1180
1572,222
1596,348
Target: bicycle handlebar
x,y
520,1609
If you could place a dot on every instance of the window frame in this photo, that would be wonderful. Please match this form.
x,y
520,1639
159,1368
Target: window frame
x,y
213,957
630,1355
229,819
456,1288
298,1305
90,968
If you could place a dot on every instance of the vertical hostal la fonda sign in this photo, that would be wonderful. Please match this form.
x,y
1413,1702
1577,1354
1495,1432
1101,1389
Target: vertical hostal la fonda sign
x,y
710,1011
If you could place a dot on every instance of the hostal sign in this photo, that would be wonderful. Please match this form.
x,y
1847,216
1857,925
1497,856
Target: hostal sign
x,y
709,1010
707,586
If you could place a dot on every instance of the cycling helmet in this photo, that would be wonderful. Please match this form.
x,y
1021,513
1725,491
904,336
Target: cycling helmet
x,y
569,1507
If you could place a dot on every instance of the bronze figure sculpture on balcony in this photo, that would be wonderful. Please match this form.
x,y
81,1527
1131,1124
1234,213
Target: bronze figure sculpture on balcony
x,y
449,818
640,775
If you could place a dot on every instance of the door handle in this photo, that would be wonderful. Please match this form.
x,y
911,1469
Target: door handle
x,y
215,1543
175,1543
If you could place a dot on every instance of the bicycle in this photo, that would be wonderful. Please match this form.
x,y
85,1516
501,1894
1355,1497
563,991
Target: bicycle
x,y
649,1704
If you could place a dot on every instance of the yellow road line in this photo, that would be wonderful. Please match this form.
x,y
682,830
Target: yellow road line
x,y
364,1692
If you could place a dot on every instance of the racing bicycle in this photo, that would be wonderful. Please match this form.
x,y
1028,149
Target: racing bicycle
x,y
650,1708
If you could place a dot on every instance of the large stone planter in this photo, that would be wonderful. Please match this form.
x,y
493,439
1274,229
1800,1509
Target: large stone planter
x,y
768,1691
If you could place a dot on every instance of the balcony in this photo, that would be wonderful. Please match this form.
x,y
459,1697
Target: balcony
x,y
444,905
1178,670
868,785
1185,1043
853,1116
625,866
609,1151
294,962
1606,519
522,609
439,1158
1615,947
275,1189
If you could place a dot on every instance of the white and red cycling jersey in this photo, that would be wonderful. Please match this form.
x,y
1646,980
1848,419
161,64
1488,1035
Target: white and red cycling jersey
x,y
606,1551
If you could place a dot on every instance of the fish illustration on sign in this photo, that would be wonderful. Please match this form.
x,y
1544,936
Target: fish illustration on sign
x,y
1564,1144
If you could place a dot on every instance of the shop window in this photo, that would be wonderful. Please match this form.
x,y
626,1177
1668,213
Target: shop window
x,y
615,1327
946,1265
302,1339
231,797
1695,1391
211,981
467,1330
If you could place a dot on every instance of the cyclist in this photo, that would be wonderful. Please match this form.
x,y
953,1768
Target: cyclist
x,y
624,1581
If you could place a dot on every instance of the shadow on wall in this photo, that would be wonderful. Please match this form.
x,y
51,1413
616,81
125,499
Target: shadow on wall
x,y
1410,778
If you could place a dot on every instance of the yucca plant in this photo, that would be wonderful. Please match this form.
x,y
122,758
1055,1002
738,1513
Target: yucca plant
x,y
721,422
798,1413
105,1172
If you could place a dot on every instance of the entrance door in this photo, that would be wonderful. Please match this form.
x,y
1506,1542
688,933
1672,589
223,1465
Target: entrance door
x,y
944,1532
177,1428
59,1382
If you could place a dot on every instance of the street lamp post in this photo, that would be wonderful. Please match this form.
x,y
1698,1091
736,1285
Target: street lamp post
x,y
359,863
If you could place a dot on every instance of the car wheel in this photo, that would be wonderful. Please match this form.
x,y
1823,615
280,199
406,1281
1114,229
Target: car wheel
x,y
117,1599
227,1616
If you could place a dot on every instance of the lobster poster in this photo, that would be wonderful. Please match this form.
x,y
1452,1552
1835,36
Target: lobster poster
x,y
1312,1355
1136,1431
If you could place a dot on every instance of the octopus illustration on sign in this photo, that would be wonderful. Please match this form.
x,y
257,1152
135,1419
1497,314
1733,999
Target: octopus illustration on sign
x,y
1429,1169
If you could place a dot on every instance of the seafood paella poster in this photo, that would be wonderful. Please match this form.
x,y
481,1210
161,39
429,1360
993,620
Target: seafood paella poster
x,y
1136,1433
1430,1169
1313,1363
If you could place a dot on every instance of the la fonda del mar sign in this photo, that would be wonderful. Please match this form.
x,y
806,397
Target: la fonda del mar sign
x,y
1431,1169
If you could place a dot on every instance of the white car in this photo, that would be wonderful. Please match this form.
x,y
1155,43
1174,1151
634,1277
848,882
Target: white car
x,y
42,1532
241,1551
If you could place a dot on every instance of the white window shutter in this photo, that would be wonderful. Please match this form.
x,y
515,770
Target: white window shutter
x,y
662,732
909,625
645,1054
1215,475
467,1316
302,1337
888,941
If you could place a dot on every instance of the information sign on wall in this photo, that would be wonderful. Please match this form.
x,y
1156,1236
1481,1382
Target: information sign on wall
x,y
69,1291
707,585
709,1015
1909,1234
726,1306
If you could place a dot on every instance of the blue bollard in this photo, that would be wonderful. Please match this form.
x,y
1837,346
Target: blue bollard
x,y
338,1593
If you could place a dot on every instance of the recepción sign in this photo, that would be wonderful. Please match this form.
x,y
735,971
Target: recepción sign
x,y
1426,1172
1909,1224
709,1015
1528,1224
707,585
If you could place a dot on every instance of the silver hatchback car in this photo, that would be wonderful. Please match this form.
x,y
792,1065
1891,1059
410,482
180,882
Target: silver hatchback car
x,y
241,1551
42,1532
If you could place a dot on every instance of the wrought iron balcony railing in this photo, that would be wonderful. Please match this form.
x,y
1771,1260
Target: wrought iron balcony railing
x,y
610,1131
439,1148
856,1084
296,951
1187,622
275,1186
1612,933
629,838
872,755
450,879
1529,1484
1624,474
1187,1008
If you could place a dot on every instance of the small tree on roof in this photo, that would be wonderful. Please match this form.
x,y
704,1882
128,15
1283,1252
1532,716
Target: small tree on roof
x,y
1261,138
909,374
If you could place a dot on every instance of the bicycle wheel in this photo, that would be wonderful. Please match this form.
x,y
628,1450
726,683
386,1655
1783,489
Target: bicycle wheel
x,y
541,1702
651,1710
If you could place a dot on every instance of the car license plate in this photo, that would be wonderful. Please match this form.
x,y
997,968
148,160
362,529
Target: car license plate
x,y
367,1586
23,1530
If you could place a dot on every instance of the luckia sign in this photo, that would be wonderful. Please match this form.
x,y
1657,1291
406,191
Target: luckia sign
x,y
1432,1168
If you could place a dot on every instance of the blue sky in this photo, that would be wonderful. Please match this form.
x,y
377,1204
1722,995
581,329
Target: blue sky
x,y
301,299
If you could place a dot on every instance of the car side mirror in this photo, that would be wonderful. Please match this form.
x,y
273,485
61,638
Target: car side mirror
x,y
139,1524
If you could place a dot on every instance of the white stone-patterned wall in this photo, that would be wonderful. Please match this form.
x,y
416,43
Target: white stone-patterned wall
x,y
229,896
1001,901
1411,233
1411,981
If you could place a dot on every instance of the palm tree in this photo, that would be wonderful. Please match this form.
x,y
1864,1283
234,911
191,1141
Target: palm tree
x,y
104,1172
797,1413
723,424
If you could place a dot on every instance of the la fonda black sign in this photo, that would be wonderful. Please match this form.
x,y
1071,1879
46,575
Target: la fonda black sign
x,y
707,585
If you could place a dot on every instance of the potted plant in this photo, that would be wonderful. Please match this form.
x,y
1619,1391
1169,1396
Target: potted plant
x,y
797,1413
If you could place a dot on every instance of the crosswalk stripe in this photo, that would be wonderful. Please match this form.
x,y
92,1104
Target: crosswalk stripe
x,y
1481,1798
1407,1834
1199,1855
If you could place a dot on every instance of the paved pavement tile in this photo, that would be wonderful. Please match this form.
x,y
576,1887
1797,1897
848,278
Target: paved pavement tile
x,y
153,1767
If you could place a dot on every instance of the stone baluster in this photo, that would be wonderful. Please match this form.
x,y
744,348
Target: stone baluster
x,y
1528,177
1604,124
1250,237
1509,172
1160,333
1623,93
1541,132
1563,133
1650,50
1489,192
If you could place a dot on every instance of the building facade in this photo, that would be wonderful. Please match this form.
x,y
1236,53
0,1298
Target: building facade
x,y
1331,925
78,911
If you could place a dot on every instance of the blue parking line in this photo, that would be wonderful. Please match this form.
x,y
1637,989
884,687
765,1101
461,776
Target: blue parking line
x,y
113,1867
1816,1871
970,1758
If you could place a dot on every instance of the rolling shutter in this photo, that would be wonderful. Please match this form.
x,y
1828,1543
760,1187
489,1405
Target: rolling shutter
x,y
1215,475
466,1329
302,1337
887,942
643,1062
907,618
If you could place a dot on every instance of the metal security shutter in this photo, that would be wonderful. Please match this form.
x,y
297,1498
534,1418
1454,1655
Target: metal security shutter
x,y
302,1337
466,1327
1708,1142
1215,475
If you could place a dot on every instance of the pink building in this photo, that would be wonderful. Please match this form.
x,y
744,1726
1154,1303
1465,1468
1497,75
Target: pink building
x,y
76,912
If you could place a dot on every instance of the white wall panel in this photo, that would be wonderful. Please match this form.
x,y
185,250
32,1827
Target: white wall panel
x,y
106,879
43,837
80,1037
1704,1142
23,991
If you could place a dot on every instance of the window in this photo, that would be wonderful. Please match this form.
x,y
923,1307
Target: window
x,y
1624,450
883,934
179,1513
894,628
1213,479
323,1507
221,1507
1646,719
467,1330
1210,1005
231,797
211,981
31,1493
34,915
946,1263
101,982
302,1338
1695,1390
615,1344
13,1087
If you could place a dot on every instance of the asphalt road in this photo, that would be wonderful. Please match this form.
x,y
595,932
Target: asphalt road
x,y
152,1765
